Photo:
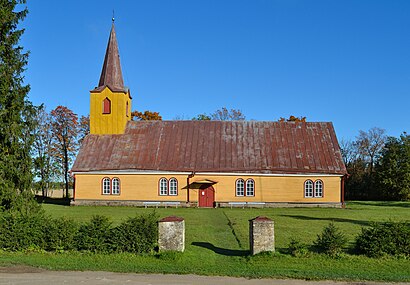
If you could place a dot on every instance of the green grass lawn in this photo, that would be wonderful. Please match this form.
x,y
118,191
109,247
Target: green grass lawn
x,y
217,243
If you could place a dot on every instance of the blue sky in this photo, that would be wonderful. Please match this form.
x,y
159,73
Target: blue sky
x,y
342,61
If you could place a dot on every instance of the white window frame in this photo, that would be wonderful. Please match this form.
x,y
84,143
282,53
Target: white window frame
x,y
308,188
240,187
115,184
319,188
106,186
163,187
250,187
173,187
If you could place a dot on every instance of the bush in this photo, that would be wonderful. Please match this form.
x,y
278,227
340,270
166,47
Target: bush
x,y
384,238
297,248
60,234
22,227
331,241
136,235
94,236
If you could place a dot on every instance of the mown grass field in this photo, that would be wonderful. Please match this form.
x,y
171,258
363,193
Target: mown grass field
x,y
217,243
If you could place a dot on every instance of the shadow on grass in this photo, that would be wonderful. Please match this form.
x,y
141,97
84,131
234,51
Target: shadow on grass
x,y
381,203
54,201
339,220
221,251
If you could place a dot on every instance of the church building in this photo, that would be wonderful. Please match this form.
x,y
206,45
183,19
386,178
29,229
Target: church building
x,y
200,163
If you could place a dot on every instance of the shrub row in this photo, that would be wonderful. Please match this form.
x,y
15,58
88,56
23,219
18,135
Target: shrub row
x,y
22,231
389,238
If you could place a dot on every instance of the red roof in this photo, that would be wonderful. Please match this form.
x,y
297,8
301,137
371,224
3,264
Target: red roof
x,y
216,146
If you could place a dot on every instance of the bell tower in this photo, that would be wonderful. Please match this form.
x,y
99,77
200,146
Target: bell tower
x,y
110,101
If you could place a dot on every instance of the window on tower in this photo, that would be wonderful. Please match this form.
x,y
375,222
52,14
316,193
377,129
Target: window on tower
x,y
106,106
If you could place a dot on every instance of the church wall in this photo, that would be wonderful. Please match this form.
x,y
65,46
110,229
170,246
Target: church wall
x,y
280,189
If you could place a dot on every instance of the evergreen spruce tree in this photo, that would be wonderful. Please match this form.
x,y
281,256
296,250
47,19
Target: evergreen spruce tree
x,y
16,112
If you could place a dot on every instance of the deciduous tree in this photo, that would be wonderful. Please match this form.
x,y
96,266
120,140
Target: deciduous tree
x,y
44,164
370,144
202,117
16,112
65,144
83,128
145,116
224,114
293,119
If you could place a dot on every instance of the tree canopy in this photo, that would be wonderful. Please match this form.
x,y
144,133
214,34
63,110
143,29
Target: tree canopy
x,y
393,169
64,126
293,119
145,116
378,166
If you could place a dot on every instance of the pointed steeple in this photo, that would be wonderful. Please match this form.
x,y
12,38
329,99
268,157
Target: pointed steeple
x,y
111,74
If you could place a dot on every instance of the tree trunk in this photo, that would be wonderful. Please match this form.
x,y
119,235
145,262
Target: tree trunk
x,y
66,172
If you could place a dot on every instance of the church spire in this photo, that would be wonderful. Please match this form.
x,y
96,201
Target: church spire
x,y
111,75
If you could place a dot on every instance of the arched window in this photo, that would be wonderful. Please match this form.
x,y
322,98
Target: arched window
x,y
308,189
318,188
115,186
240,187
106,186
106,106
163,186
250,187
173,186
126,109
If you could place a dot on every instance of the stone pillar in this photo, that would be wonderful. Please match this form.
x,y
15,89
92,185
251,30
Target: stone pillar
x,y
171,234
261,235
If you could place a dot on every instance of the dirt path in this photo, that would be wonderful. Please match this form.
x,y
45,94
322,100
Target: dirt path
x,y
21,275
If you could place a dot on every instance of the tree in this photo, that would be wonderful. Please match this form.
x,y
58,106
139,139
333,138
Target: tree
x,y
146,116
349,151
16,112
393,169
370,144
44,163
201,117
360,157
65,130
83,128
293,119
224,114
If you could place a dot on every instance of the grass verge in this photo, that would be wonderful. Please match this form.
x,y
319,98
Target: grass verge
x,y
217,243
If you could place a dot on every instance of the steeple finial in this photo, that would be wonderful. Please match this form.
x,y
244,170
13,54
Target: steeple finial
x,y
113,19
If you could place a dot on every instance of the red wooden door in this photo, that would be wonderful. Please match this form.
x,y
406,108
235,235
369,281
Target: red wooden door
x,y
206,196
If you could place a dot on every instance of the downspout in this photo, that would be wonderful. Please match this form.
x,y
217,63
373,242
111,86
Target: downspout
x,y
187,185
74,187
342,186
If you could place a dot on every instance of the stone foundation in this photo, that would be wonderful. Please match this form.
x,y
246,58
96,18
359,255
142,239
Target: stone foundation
x,y
182,204
277,205
171,234
261,235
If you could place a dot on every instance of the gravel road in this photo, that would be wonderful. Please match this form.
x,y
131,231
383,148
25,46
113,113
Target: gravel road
x,y
21,275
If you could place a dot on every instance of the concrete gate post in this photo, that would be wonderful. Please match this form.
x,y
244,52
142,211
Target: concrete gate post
x,y
261,235
171,234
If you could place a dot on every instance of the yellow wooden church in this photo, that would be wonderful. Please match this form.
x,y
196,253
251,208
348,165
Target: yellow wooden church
x,y
200,163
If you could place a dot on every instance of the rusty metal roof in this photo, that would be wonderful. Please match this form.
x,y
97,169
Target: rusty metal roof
x,y
111,74
215,146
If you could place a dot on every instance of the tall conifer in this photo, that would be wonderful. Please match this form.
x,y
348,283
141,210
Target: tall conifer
x,y
16,112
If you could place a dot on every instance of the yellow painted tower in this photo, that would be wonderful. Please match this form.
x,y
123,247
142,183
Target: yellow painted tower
x,y
110,101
